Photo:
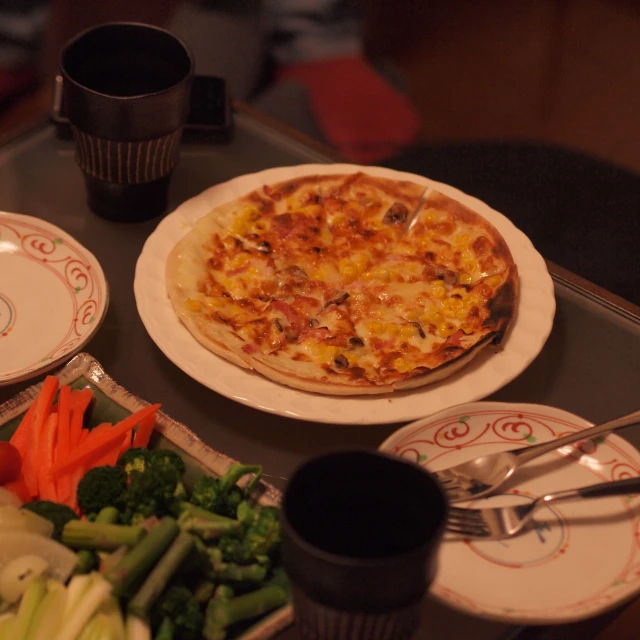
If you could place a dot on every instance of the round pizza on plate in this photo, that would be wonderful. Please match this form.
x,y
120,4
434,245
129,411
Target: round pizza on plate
x,y
344,284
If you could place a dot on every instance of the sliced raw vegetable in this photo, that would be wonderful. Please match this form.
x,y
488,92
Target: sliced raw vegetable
x,y
110,455
80,401
91,599
14,519
144,431
48,440
9,498
126,444
27,611
16,575
137,629
92,448
50,612
41,412
18,543
6,625
10,462
64,440
20,437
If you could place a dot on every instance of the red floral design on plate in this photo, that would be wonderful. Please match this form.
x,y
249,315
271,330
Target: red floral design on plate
x,y
69,263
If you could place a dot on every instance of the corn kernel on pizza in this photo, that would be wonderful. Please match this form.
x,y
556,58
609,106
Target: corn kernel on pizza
x,y
344,284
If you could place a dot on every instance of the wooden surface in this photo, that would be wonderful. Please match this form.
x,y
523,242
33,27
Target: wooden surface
x,y
558,71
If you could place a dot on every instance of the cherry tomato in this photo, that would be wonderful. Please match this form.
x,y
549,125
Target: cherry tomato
x,y
10,462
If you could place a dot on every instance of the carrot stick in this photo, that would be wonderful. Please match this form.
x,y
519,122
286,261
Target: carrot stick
x,y
76,395
75,477
46,482
126,444
93,447
79,407
64,440
20,438
41,412
111,455
144,431
83,435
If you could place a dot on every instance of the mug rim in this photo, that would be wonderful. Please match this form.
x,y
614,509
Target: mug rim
x,y
147,27
354,561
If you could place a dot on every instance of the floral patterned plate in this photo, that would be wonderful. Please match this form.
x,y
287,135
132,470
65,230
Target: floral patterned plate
x,y
53,296
580,559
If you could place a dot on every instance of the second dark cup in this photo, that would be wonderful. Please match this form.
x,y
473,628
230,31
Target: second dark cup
x,y
361,536
127,89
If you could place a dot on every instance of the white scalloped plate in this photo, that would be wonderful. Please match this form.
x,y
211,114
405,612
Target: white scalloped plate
x,y
491,370
53,296
582,558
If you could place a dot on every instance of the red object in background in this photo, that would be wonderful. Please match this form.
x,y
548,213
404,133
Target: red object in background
x,y
16,82
358,110
10,463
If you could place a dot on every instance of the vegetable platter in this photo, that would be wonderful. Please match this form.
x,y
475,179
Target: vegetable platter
x,y
118,523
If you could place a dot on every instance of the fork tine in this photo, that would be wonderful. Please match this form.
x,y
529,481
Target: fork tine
x,y
447,480
465,515
468,532
467,522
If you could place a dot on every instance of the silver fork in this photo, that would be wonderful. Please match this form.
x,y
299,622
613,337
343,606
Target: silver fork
x,y
502,522
483,475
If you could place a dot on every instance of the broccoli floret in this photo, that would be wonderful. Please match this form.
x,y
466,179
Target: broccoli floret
x,y
234,550
165,457
222,495
260,542
265,535
134,459
59,514
179,604
149,493
101,487
206,493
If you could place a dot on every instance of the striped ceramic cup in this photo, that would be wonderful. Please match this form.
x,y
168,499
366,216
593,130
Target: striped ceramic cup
x,y
126,90
361,535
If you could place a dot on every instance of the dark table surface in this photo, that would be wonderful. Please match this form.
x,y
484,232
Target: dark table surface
x,y
590,364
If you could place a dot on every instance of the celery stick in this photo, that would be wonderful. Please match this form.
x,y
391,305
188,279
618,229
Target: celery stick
x,y
111,609
73,624
137,629
76,589
28,610
6,626
50,612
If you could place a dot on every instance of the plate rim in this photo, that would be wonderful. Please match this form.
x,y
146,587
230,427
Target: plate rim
x,y
507,618
97,267
184,215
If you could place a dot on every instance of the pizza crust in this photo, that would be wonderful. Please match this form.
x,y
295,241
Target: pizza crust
x,y
186,268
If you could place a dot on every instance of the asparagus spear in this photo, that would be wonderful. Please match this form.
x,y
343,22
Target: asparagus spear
x,y
158,579
141,558
80,534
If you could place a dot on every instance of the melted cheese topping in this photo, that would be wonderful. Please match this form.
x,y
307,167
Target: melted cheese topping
x,y
334,275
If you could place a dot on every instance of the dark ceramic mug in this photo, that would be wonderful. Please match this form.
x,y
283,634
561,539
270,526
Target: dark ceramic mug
x,y
127,89
361,536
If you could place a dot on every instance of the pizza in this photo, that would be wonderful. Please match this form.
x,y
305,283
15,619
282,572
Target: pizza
x,y
344,284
